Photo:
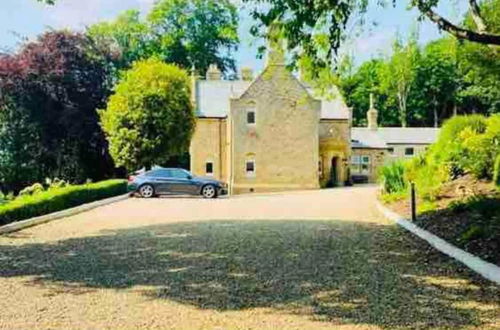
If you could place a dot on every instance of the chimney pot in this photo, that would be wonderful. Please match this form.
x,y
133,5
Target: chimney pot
x,y
246,74
213,72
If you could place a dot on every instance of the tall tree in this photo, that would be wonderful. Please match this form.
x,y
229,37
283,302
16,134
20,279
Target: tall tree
x,y
437,79
127,37
185,32
150,118
398,75
479,66
51,88
356,88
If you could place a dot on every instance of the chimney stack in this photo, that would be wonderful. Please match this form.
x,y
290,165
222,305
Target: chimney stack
x,y
246,74
213,72
372,115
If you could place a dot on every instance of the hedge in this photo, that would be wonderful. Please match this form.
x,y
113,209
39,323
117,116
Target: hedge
x,y
58,199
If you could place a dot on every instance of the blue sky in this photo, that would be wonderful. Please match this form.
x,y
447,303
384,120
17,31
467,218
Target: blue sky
x,y
27,18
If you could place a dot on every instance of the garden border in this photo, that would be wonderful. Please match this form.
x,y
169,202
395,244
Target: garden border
x,y
483,268
20,225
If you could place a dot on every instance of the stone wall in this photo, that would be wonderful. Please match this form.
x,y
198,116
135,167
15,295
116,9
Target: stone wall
x,y
208,144
283,142
377,160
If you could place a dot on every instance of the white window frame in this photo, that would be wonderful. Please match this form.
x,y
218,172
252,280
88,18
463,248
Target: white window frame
x,y
213,168
250,174
357,163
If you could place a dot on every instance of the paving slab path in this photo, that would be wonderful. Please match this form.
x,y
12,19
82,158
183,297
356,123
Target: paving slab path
x,y
298,260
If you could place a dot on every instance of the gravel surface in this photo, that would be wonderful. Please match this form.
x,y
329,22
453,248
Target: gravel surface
x,y
301,260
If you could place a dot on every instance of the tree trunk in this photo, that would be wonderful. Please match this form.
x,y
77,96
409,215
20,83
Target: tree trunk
x,y
460,33
402,109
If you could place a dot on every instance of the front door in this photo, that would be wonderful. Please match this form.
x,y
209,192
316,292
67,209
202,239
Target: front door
x,y
334,177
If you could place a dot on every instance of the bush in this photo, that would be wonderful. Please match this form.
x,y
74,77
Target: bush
x,y
150,117
32,190
392,178
57,199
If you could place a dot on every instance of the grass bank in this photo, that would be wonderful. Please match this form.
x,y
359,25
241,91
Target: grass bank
x,y
457,185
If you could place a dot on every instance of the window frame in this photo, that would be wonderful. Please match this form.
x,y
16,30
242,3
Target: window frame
x,y
412,151
254,112
358,163
250,173
211,163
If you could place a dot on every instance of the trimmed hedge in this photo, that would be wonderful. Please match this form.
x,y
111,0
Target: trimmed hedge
x,y
58,199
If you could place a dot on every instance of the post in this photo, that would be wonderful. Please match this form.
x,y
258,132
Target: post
x,y
413,203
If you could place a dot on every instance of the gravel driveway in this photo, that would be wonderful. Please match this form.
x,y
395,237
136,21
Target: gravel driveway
x,y
301,260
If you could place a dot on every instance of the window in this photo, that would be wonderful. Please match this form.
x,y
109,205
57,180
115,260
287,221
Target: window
x,y
159,173
250,167
209,168
390,150
360,164
251,117
409,151
180,174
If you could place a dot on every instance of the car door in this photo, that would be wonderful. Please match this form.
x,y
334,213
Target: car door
x,y
161,179
182,183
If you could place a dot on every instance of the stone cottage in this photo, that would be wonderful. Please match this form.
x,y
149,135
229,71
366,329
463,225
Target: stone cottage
x,y
273,133
270,133
374,146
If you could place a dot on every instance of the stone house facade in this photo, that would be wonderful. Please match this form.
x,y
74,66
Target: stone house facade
x,y
270,133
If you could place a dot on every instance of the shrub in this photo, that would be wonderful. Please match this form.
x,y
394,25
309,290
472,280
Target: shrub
x,y
57,199
150,117
450,150
392,178
32,190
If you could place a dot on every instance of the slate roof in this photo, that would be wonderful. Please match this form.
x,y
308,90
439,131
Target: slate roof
x,y
334,107
212,96
383,137
213,99
367,138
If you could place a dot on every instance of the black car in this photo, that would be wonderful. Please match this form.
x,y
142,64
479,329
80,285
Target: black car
x,y
164,181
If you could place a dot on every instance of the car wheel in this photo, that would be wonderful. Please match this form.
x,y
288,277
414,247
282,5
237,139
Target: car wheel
x,y
209,191
147,191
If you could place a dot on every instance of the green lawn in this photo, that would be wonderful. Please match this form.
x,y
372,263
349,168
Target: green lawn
x,y
333,271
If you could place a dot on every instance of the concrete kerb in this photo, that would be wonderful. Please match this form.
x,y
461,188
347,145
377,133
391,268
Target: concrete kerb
x,y
483,268
19,225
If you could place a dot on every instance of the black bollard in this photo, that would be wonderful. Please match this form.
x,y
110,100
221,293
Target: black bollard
x,y
413,203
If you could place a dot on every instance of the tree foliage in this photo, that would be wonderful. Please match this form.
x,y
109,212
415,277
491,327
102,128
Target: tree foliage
x,y
49,127
448,77
149,118
315,29
189,33
398,75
